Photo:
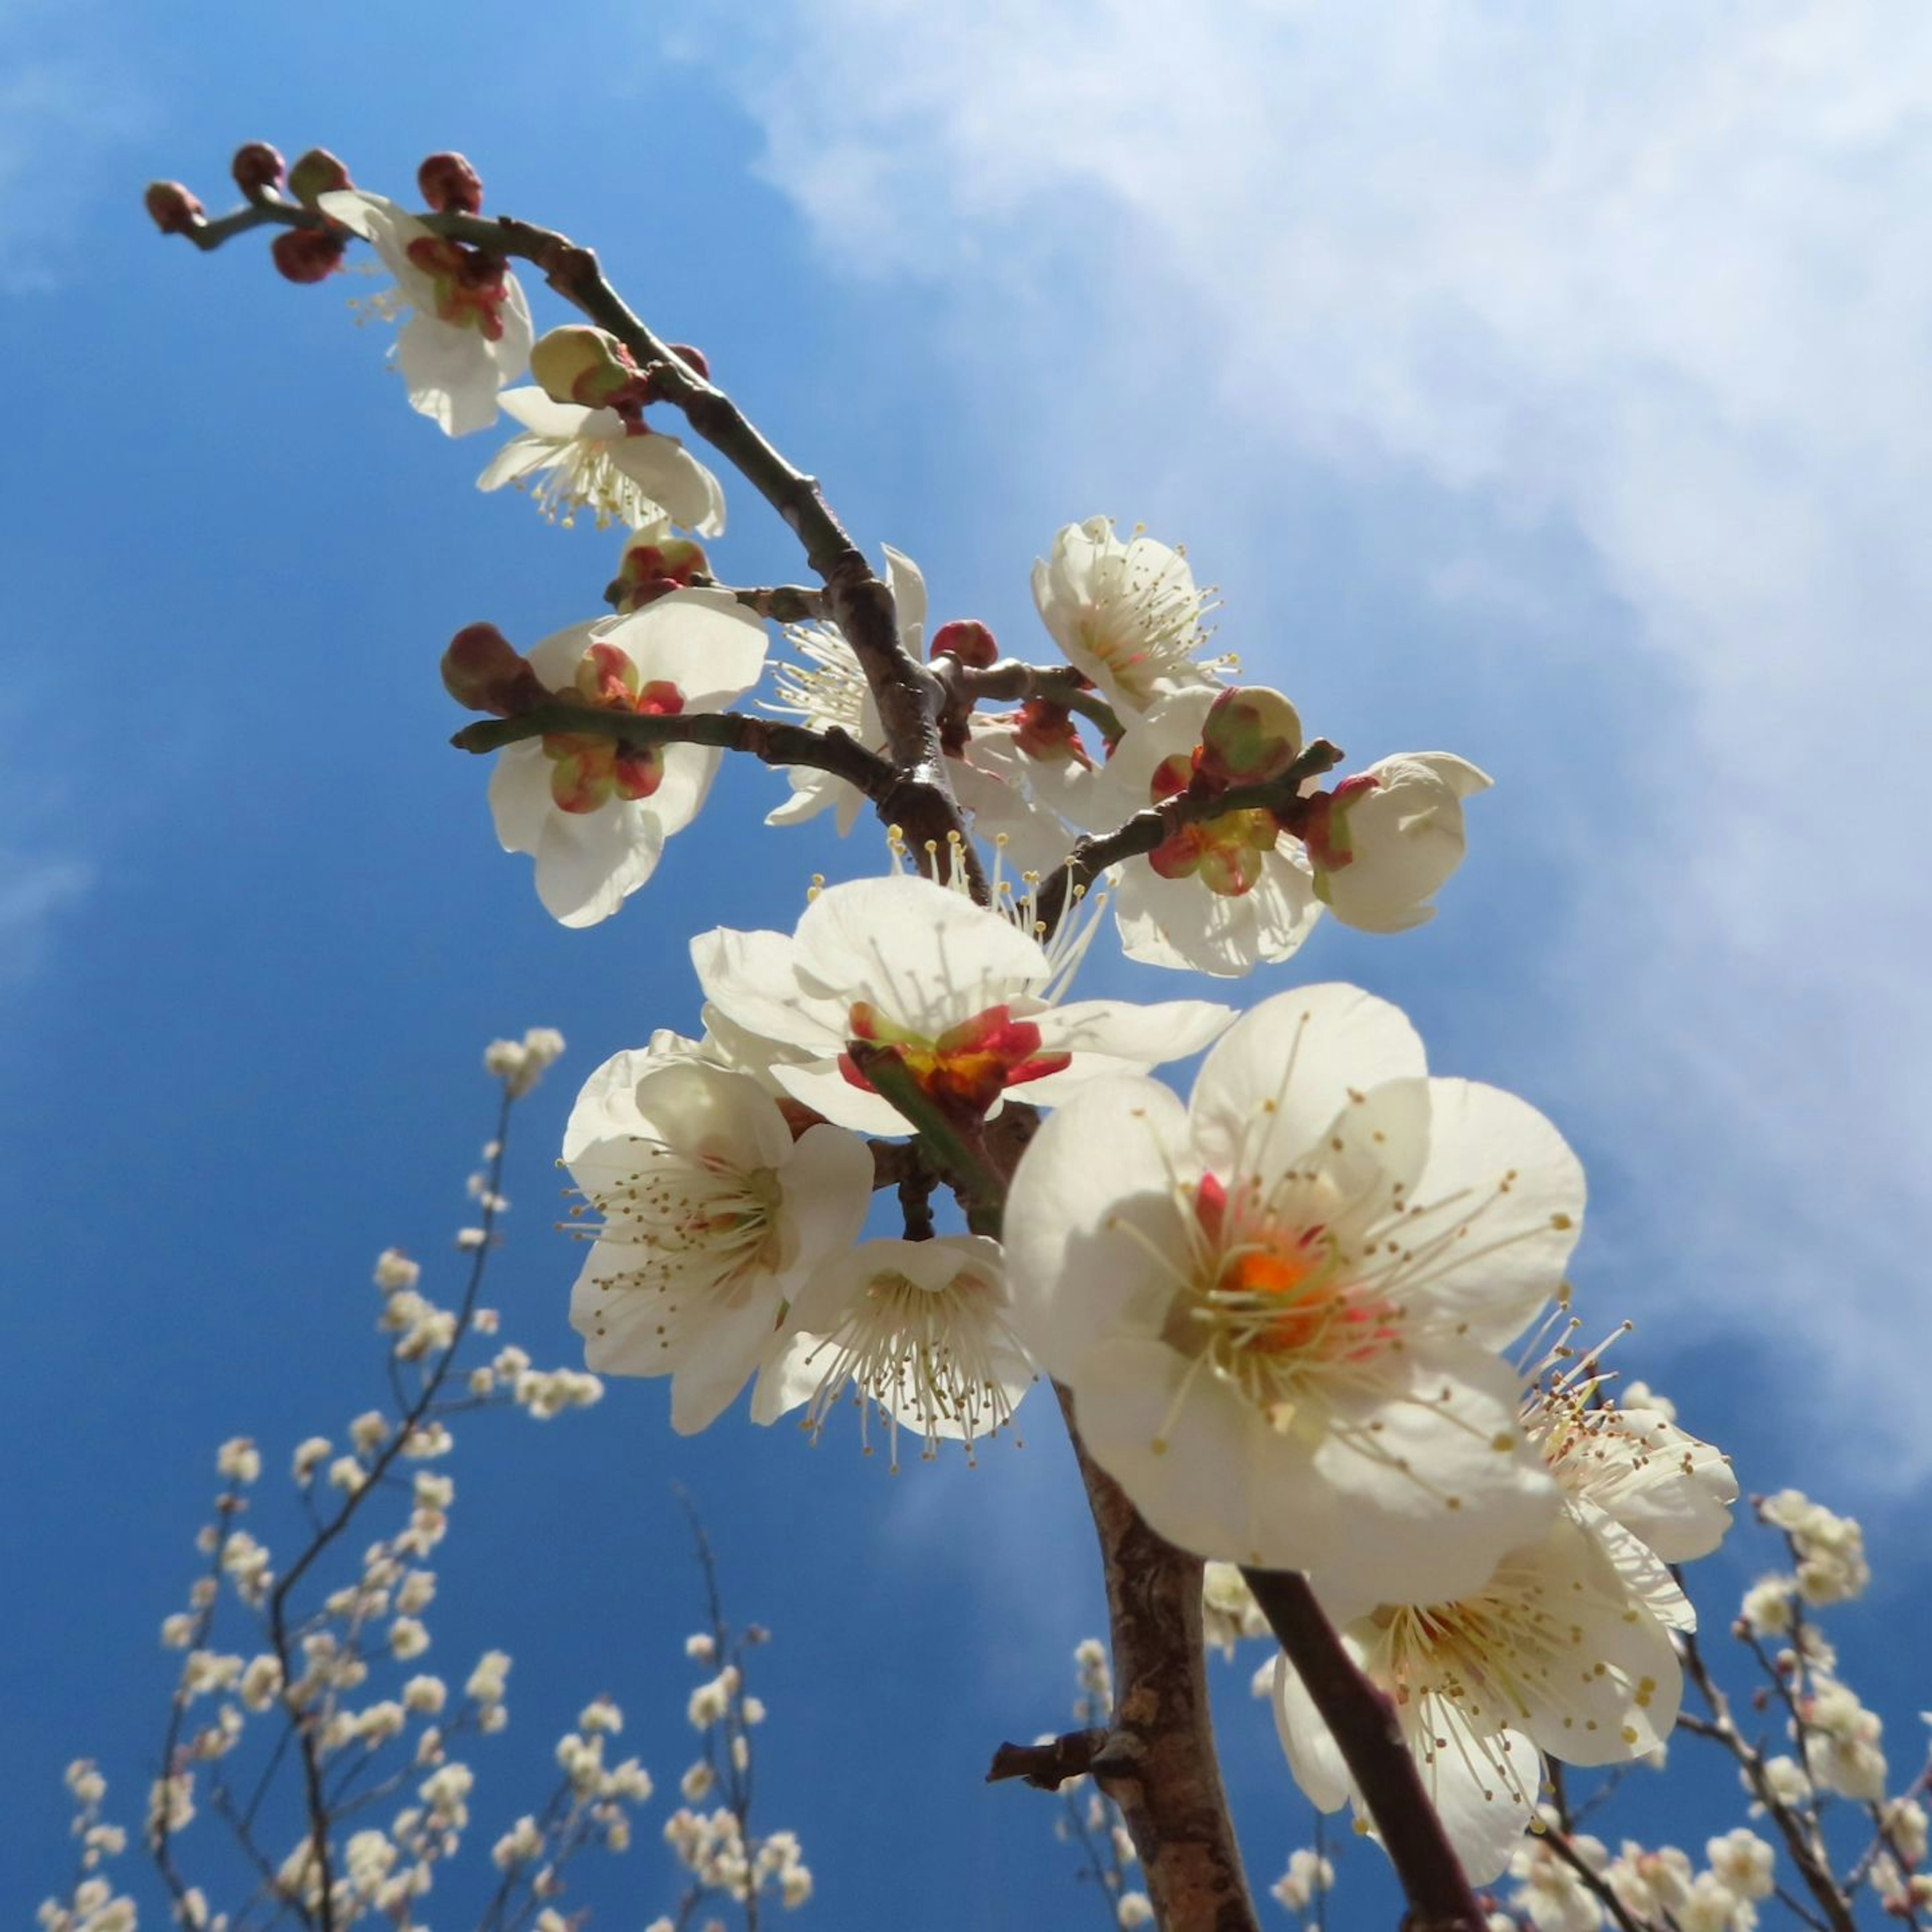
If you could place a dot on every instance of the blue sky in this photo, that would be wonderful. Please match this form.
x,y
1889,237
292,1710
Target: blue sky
x,y
1539,384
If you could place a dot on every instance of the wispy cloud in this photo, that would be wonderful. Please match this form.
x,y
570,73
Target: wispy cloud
x,y
68,107
1645,284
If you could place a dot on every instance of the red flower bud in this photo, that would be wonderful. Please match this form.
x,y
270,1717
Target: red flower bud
x,y
450,185
257,168
695,357
316,173
483,671
175,211
308,254
969,641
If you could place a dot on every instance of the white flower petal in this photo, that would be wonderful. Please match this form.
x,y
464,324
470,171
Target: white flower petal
x,y
588,862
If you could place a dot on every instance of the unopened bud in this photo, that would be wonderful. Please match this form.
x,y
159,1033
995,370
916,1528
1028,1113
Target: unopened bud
x,y
483,671
308,254
450,185
175,211
655,567
1250,735
257,168
316,173
579,364
969,641
693,358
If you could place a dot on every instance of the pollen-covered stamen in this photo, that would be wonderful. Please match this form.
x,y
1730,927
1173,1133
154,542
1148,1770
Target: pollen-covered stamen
x,y
470,287
589,770
932,1361
698,1224
966,1067
829,690
1148,621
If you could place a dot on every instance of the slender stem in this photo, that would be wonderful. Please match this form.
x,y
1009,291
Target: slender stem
x,y
1364,1726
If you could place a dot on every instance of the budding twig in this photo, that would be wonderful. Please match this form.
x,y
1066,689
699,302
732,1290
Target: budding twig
x,y
1147,831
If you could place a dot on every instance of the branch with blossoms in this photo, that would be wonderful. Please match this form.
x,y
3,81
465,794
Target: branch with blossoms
x,y
296,1741
1284,1320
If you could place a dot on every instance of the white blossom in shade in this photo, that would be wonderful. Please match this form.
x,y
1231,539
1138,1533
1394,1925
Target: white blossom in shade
x,y
1766,1608
239,1461
394,1271
1275,1307
594,816
1650,1885
1308,1874
468,328
1226,895
1840,1740
1550,1894
1554,1655
487,1681
1127,614
1744,1863
1228,1611
1383,841
968,1002
1830,1548
591,459
709,1217
1133,1908
916,1331
1650,1493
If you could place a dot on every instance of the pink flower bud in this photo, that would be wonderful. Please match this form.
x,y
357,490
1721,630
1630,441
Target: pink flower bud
x,y
483,671
696,357
969,641
317,172
257,167
308,254
450,184
175,211
654,568
579,364
1250,735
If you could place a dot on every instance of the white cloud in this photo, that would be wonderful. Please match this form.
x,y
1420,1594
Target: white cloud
x,y
33,894
1651,274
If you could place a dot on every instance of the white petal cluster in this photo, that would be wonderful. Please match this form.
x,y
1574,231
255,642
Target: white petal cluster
x,y
709,1217
970,1003
1277,1308
455,354
594,823
573,459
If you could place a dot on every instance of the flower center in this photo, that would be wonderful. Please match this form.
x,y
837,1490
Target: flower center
x,y
588,771
1271,1304
966,1067
929,1360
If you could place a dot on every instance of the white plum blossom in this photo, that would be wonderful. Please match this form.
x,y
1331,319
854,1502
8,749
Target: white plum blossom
x,y
967,1001
591,459
1227,894
468,331
710,1217
1553,1653
1277,1307
1385,841
595,816
917,1330
1127,614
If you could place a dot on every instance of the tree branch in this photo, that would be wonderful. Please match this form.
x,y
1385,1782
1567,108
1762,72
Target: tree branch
x,y
908,694
1364,1725
1011,681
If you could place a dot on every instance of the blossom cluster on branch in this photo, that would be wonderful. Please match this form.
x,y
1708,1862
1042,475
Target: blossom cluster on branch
x,y
1299,1324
